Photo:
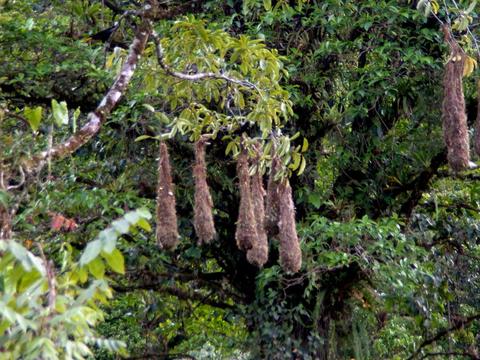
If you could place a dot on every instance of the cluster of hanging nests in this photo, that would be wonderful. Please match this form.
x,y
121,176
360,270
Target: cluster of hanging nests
x,y
261,213
454,117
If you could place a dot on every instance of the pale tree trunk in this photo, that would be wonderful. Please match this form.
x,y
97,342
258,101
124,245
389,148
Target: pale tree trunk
x,y
5,224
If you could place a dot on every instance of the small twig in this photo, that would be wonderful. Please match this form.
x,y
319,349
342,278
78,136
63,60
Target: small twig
x,y
21,182
447,13
2,180
8,113
50,272
49,151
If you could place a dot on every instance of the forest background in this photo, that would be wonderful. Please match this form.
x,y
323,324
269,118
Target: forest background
x,y
349,97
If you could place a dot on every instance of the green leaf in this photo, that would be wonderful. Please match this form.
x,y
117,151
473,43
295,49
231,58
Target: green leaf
x,y
471,7
297,158
143,137
302,167
162,117
115,260
267,4
142,223
121,225
305,145
108,237
97,268
91,252
315,199
149,107
26,258
132,217
4,198
60,112
76,114
144,213
33,116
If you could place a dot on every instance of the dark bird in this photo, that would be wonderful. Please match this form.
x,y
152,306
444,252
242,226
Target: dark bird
x,y
104,35
107,36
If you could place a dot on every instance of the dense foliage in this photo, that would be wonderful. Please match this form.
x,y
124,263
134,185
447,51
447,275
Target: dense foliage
x,y
347,95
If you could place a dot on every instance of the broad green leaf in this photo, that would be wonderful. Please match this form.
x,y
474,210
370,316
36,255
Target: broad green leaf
x,y
302,167
149,107
21,254
33,116
121,225
144,224
297,158
144,213
305,145
315,199
91,252
60,112
132,217
471,7
108,237
97,268
115,260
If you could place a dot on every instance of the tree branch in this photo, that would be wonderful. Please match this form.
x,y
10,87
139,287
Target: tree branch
x,y
420,184
103,110
457,325
451,353
195,77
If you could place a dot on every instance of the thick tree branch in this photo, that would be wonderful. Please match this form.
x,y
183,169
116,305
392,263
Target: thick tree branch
x,y
422,182
99,115
457,325
419,185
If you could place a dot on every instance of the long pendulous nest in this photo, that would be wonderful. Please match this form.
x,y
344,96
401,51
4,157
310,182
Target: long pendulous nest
x,y
290,252
258,254
167,229
246,231
272,210
454,118
203,217
477,122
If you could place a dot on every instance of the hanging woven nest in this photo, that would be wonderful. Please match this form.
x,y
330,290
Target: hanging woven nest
x,y
290,252
203,217
246,232
258,254
167,229
477,122
454,118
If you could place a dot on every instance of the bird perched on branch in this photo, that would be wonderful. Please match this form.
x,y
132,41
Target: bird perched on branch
x,y
108,36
